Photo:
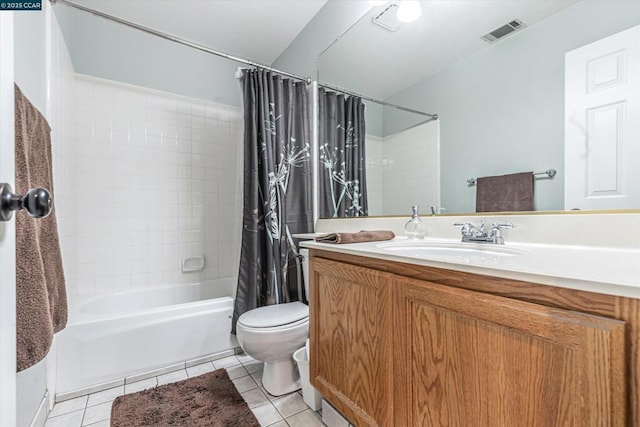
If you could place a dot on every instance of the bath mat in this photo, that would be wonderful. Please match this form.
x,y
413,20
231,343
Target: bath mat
x,y
209,400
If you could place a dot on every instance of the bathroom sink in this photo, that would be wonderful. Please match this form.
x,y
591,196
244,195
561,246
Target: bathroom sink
x,y
419,249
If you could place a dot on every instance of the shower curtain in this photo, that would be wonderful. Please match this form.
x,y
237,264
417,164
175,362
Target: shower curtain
x,y
277,189
342,169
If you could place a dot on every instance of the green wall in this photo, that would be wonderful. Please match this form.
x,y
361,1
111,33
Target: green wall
x,y
113,51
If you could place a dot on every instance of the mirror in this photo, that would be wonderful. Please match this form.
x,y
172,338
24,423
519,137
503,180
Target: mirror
x,y
501,105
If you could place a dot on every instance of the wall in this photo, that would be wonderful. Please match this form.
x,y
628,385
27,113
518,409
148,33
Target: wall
x,y
60,84
60,80
325,28
502,109
404,170
113,51
160,180
330,22
375,162
412,174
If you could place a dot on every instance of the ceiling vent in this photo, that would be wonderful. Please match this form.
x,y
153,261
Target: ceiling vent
x,y
388,18
504,31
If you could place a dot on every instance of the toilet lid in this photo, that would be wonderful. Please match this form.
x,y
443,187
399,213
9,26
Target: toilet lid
x,y
274,315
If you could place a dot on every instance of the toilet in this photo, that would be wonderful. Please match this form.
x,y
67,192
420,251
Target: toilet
x,y
272,334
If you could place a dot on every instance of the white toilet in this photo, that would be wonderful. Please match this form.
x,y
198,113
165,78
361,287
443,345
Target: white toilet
x,y
272,334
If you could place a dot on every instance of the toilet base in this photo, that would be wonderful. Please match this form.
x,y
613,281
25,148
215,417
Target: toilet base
x,y
280,377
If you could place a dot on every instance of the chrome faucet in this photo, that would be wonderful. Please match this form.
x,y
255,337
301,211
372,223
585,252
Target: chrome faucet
x,y
470,231
475,234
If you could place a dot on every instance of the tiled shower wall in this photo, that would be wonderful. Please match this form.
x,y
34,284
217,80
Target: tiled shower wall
x,y
411,175
375,166
158,181
60,90
403,170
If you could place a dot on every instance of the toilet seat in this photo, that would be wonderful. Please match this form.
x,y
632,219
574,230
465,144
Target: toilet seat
x,y
274,316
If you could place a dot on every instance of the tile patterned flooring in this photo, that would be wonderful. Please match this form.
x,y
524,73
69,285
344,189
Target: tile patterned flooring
x,y
290,410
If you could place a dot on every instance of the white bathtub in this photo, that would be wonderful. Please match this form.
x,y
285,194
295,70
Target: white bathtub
x,y
113,337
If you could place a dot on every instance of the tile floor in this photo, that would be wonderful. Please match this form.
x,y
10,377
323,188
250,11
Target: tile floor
x,y
245,372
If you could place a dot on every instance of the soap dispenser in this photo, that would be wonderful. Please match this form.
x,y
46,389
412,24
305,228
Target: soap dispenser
x,y
414,229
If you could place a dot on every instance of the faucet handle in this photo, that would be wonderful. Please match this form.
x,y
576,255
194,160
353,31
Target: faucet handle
x,y
466,227
496,234
469,229
501,225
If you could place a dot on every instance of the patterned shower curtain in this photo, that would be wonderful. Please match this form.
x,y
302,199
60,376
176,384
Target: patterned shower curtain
x,y
277,189
342,171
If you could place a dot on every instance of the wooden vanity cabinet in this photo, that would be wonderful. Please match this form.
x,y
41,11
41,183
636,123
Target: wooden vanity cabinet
x,y
393,350
352,352
464,358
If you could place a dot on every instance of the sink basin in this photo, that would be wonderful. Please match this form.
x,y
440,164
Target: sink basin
x,y
449,250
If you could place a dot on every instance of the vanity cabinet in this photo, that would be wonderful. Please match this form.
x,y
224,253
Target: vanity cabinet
x,y
352,332
396,344
467,358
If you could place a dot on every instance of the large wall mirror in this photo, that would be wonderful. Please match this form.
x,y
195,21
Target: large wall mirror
x,y
501,103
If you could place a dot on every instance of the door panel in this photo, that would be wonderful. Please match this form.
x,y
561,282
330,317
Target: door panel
x,y
602,123
351,340
7,230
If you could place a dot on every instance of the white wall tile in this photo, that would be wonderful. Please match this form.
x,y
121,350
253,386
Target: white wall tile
x,y
149,163
61,112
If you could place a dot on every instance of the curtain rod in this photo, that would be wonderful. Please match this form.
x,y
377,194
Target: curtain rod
x,y
203,48
377,101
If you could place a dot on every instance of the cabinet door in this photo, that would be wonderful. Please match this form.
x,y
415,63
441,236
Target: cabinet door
x,y
465,358
351,340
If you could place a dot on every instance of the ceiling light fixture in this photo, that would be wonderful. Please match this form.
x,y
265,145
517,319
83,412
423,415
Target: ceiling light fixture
x,y
394,13
409,10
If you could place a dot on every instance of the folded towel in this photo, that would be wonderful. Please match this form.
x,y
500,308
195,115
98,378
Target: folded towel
x,y
360,236
41,299
505,193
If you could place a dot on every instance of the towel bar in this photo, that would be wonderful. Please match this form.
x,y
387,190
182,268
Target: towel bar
x,y
550,173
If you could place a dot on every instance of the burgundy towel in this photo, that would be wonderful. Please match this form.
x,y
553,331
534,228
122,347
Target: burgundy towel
x,y
41,299
360,236
505,193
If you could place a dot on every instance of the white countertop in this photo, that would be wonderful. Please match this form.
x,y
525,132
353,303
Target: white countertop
x,y
613,271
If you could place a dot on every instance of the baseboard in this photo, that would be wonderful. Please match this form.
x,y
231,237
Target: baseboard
x,y
40,417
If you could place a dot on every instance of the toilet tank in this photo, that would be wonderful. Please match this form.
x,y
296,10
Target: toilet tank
x,y
305,270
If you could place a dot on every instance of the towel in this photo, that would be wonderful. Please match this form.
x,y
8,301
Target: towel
x,y
360,236
41,299
505,193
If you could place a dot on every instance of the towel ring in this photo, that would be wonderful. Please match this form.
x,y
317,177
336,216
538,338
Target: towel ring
x,y
37,202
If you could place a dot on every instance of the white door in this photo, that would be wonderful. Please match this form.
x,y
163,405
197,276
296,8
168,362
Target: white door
x,y
7,231
602,123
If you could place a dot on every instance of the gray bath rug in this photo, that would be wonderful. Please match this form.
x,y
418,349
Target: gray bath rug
x,y
209,400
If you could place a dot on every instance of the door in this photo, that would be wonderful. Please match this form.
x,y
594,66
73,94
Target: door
x,y
7,231
465,358
602,123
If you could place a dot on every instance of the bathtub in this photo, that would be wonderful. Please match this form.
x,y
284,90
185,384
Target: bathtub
x,y
137,334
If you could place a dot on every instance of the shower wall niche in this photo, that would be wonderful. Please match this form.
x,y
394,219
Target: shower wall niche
x,y
159,180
